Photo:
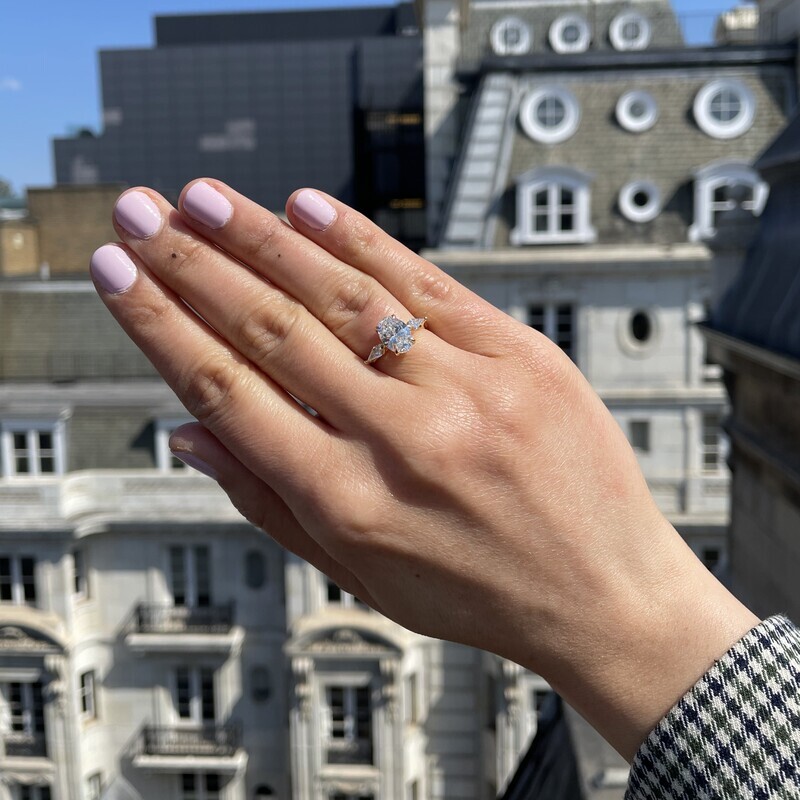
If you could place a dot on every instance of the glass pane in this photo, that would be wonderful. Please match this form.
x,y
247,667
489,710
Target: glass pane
x,y
336,706
541,200
45,440
47,465
334,592
567,197
541,223
27,567
5,580
637,109
631,30
20,441
183,692
536,318
177,565
207,694
38,708
567,222
203,568
22,464
570,34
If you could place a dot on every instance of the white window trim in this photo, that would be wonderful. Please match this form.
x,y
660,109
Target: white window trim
x,y
163,430
556,34
195,717
350,682
617,35
501,47
724,130
634,212
711,177
17,587
637,124
189,556
30,427
532,182
538,132
88,692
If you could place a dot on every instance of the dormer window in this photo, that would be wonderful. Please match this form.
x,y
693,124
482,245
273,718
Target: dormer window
x,y
553,207
630,31
510,36
550,115
725,109
570,33
723,187
31,448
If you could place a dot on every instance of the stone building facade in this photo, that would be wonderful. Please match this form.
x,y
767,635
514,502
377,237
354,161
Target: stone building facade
x,y
595,154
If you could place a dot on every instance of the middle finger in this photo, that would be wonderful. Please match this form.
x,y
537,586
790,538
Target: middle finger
x,y
267,326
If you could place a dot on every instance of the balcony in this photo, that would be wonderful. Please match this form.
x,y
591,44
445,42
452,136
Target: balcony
x,y
25,754
199,629
209,747
348,751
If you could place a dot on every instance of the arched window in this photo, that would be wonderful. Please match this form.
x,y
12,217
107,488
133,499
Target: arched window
x,y
724,186
553,207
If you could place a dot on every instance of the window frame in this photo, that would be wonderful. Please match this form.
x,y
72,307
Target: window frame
x,y
80,575
192,589
87,695
550,324
17,580
645,426
195,674
556,34
616,32
31,428
501,48
711,177
533,127
637,124
640,214
349,684
719,447
532,183
731,129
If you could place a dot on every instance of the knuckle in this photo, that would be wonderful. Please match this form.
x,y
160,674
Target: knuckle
x,y
187,257
259,243
351,298
431,287
208,389
265,330
359,238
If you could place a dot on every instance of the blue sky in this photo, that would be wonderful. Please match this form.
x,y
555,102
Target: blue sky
x,y
48,64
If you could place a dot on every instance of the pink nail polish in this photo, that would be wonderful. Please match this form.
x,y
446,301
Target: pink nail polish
x,y
191,460
314,210
138,214
205,204
112,269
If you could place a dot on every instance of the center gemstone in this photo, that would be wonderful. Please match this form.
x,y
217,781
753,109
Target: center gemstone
x,y
389,327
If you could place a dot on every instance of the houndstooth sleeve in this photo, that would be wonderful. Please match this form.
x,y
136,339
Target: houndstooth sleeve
x,y
736,734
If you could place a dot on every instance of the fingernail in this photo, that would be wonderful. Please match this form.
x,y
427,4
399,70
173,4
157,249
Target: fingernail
x,y
205,204
138,214
112,269
314,210
191,460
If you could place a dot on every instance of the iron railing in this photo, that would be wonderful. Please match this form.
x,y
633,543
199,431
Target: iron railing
x,y
25,745
208,739
161,618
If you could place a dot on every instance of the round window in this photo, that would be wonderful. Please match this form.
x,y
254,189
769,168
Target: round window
x,y
510,36
550,115
725,109
570,33
640,201
637,111
641,327
254,569
630,31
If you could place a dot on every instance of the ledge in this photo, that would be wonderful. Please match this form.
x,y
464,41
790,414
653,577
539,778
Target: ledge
x,y
225,764
181,642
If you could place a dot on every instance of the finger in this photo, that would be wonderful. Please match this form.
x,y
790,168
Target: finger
x,y
454,313
268,327
216,384
258,503
348,302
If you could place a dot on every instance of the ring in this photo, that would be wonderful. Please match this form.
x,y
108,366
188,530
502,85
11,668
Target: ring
x,y
395,336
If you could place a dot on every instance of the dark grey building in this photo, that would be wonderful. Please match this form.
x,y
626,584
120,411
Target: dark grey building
x,y
268,102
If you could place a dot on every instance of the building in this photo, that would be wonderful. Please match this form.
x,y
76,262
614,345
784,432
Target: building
x,y
267,102
754,333
594,157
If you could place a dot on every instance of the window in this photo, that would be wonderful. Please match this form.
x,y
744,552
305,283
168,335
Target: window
x,y
165,461
630,31
337,596
642,326
94,786
32,449
724,187
200,786
87,695
80,578
510,36
570,33
557,322
640,435
24,712
412,699
637,111
640,201
254,569
349,725
550,115
34,792
553,207
190,574
712,443
711,557
17,580
725,109
194,694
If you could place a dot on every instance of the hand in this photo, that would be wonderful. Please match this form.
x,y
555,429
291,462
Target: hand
x,y
474,489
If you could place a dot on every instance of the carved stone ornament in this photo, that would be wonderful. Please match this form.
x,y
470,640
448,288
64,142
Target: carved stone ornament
x,y
347,641
14,638
301,668
349,786
389,688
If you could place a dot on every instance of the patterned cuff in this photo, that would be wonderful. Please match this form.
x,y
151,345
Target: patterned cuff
x,y
736,734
